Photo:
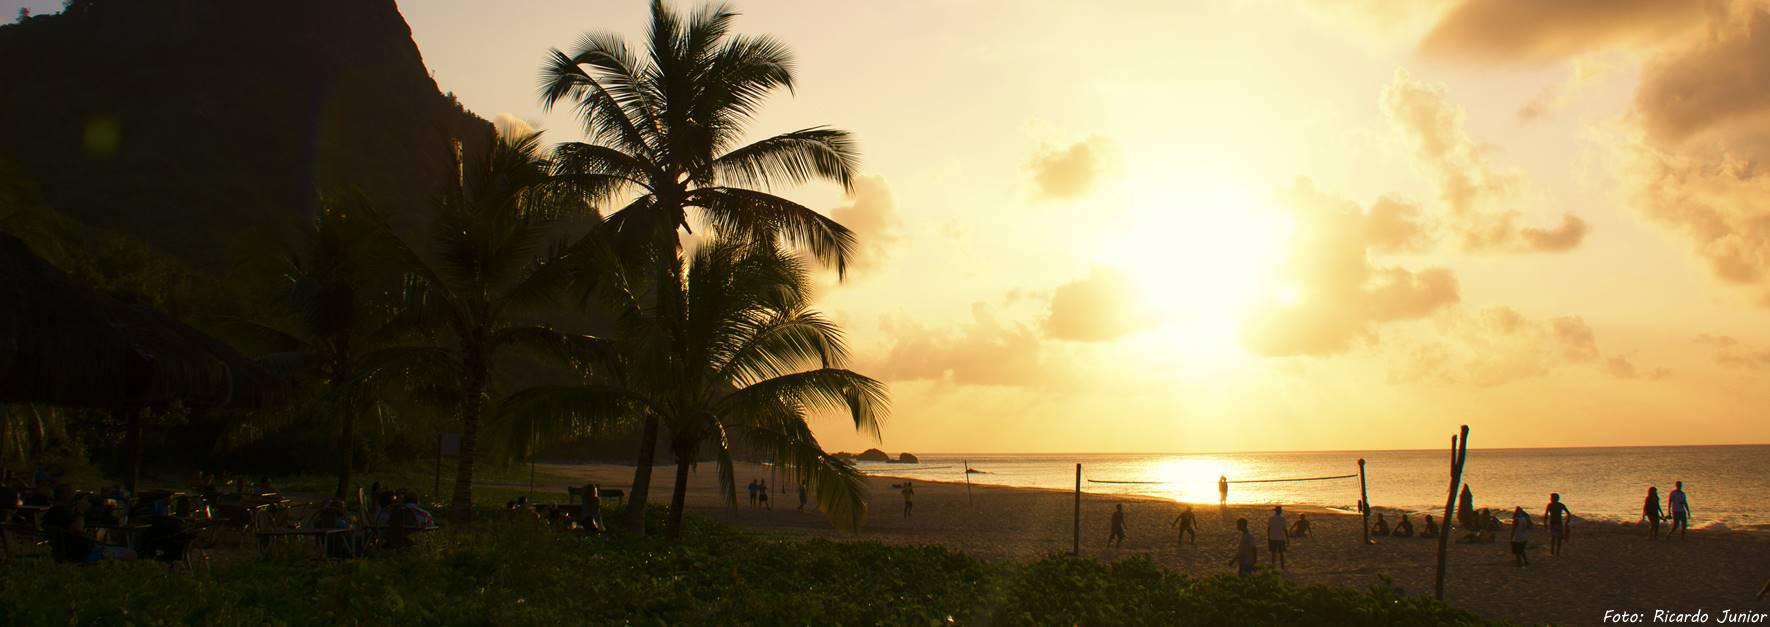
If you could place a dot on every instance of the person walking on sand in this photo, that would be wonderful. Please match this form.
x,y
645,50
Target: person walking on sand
x,y
1652,513
1188,526
1222,491
1275,537
1680,511
762,494
909,494
1520,536
1246,556
752,493
1117,537
1558,518
801,496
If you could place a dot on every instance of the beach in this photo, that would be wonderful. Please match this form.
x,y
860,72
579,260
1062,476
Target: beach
x,y
1606,566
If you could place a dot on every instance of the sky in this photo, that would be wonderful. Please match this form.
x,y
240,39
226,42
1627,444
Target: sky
x,y
1262,225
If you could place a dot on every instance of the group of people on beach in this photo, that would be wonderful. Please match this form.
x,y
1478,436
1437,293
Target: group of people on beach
x,y
759,494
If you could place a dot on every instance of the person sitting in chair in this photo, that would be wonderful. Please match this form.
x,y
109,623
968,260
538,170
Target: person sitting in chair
x,y
69,541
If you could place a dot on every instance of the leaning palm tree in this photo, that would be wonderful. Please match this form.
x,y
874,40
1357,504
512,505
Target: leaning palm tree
x,y
666,144
494,250
336,290
739,357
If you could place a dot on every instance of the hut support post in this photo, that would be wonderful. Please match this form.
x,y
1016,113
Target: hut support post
x,y
131,445
1364,502
1459,453
968,497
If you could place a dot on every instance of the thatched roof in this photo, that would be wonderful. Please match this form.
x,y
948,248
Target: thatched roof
x,y
62,343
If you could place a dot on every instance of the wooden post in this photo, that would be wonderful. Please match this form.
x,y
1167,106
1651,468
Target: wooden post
x,y
1459,453
968,496
437,488
531,477
1076,548
132,447
1364,500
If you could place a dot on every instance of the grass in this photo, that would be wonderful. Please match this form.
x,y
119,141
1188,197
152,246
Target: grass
x,y
506,571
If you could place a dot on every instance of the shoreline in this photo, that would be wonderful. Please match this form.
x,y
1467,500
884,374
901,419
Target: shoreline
x,y
1606,566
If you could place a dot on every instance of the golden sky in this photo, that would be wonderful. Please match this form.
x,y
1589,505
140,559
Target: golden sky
x,y
1206,226
1245,225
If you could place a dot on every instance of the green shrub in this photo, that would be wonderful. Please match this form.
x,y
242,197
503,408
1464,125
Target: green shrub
x,y
504,571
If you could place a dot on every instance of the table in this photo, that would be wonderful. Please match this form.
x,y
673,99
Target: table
x,y
321,537
131,533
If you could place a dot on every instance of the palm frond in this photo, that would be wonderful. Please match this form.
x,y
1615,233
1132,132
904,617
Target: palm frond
x,y
792,158
757,215
863,398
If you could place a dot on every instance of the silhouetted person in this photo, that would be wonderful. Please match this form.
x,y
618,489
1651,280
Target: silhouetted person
x,y
1558,518
1246,556
1300,529
1520,536
1117,538
802,496
909,494
1680,511
1431,528
1382,526
1403,529
1467,518
762,493
1650,510
65,527
1188,526
752,489
1275,536
1222,491
590,511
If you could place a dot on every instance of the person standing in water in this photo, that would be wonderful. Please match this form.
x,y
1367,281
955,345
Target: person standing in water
x,y
1680,511
1558,518
908,494
1246,556
1188,526
1652,513
1117,537
1222,491
1520,537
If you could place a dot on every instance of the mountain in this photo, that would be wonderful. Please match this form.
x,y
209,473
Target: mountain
x,y
209,129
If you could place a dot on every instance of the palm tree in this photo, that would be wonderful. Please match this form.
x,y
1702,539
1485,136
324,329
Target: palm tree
x,y
337,290
739,357
494,249
665,143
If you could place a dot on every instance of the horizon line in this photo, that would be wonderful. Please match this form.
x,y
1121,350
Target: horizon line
x,y
1387,450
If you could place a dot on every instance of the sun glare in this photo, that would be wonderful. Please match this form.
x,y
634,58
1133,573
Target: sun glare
x,y
1201,259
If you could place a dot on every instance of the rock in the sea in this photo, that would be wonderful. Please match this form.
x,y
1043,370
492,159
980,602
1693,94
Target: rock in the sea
x,y
906,458
842,455
873,455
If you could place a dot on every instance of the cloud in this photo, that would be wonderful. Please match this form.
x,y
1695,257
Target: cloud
x,y
871,213
1395,226
1098,308
1623,368
1495,345
988,351
1476,193
1073,171
510,125
1341,295
1722,341
1717,86
1586,72
1532,32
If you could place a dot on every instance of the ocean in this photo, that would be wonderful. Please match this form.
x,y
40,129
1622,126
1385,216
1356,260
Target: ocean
x,y
1727,486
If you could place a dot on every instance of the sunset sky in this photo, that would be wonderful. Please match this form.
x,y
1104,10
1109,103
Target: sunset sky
x,y
1212,226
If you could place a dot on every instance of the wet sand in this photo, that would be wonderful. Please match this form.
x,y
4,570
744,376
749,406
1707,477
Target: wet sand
x,y
1605,566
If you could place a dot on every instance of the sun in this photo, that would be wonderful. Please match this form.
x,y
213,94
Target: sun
x,y
1200,256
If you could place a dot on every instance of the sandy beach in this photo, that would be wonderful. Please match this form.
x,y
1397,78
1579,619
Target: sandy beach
x,y
1605,566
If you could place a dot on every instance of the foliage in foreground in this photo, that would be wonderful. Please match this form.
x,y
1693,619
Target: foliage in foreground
x,y
501,572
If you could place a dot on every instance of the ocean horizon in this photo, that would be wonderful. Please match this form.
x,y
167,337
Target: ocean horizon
x,y
1597,483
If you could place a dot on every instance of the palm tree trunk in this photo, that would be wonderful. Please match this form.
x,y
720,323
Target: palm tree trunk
x,y
472,403
648,444
684,450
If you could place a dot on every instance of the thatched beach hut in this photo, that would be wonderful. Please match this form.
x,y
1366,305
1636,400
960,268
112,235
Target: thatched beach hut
x,y
65,344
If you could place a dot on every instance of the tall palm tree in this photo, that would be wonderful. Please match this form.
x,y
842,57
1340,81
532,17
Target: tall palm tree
x,y
495,249
336,287
740,357
665,143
